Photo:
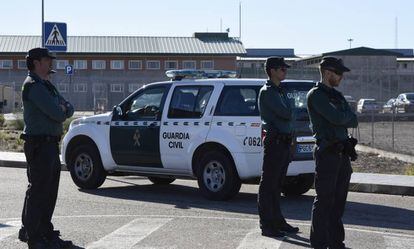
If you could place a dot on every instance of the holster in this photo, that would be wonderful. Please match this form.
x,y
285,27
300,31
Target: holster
x,y
346,147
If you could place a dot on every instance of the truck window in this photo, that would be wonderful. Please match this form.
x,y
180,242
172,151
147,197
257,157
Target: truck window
x,y
189,101
238,101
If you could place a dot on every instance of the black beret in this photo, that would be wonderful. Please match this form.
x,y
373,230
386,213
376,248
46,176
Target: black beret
x,y
39,53
276,62
334,63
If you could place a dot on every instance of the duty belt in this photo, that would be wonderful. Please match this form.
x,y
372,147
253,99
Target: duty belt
x,y
40,138
331,146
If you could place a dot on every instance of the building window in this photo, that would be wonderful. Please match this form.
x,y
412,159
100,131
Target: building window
x,y
189,65
117,88
171,65
98,88
133,87
247,64
135,64
80,88
6,64
61,64
153,65
207,65
98,64
117,64
63,88
21,64
80,64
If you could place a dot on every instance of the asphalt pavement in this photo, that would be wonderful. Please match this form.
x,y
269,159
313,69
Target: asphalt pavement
x,y
360,182
130,212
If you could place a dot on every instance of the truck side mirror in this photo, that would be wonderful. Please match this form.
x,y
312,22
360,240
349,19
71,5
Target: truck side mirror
x,y
117,111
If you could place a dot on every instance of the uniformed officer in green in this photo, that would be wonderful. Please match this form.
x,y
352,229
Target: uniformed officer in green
x,y
277,115
330,117
44,111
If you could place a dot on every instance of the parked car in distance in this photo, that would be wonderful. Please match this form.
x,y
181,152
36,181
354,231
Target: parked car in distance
x,y
405,102
352,102
368,106
389,106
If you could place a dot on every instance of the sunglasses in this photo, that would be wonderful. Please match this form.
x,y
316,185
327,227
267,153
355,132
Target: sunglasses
x,y
339,73
283,69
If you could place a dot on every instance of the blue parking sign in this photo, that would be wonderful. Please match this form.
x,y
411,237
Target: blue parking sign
x,y
55,37
69,69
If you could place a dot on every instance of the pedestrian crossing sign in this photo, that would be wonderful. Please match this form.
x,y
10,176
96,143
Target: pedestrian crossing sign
x,y
55,38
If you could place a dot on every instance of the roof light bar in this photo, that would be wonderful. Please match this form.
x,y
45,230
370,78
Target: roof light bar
x,y
199,74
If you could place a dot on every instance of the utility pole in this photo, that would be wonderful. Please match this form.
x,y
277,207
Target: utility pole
x,y
240,20
350,42
43,21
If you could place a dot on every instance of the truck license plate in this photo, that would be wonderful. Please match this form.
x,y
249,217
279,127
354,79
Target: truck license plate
x,y
304,148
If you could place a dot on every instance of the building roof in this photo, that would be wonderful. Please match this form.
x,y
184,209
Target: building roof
x,y
199,44
406,52
267,52
363,51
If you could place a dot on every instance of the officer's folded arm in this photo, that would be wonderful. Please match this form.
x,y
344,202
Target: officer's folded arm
x,y
320,102
40,97
277,107
353,123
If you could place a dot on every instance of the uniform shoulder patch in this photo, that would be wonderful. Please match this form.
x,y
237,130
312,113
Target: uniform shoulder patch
x,y
27,84
29,80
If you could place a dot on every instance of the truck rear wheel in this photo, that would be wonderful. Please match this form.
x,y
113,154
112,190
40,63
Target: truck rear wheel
x,y
297,185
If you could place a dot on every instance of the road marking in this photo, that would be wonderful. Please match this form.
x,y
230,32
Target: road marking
x,y
398,242
130,234
9,229
349,228
254,239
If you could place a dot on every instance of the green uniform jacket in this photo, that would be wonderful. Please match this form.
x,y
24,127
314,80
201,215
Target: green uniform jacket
x,y
329,113
41,107
276,111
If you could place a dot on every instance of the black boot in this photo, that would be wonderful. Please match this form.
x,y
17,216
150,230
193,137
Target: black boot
x,y
54,237
23,235
274,233
289,229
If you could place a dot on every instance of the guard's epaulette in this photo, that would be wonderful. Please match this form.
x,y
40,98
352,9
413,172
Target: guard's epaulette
x,y
28,82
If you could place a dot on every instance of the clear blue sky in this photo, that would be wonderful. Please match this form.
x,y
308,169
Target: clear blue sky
x,y
310,27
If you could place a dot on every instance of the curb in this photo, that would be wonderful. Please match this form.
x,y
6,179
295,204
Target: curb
x,y
381,189
20,164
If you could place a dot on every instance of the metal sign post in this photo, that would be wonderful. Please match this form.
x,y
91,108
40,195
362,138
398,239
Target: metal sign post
x,y
69,72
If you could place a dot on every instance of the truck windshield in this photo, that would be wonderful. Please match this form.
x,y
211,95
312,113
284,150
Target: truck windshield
x,y
296,92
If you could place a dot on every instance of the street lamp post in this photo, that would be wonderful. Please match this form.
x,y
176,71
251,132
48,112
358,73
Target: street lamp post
x,y
350,42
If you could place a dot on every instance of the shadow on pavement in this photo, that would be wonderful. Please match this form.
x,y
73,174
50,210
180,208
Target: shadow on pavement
x,y
295,239
297,208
